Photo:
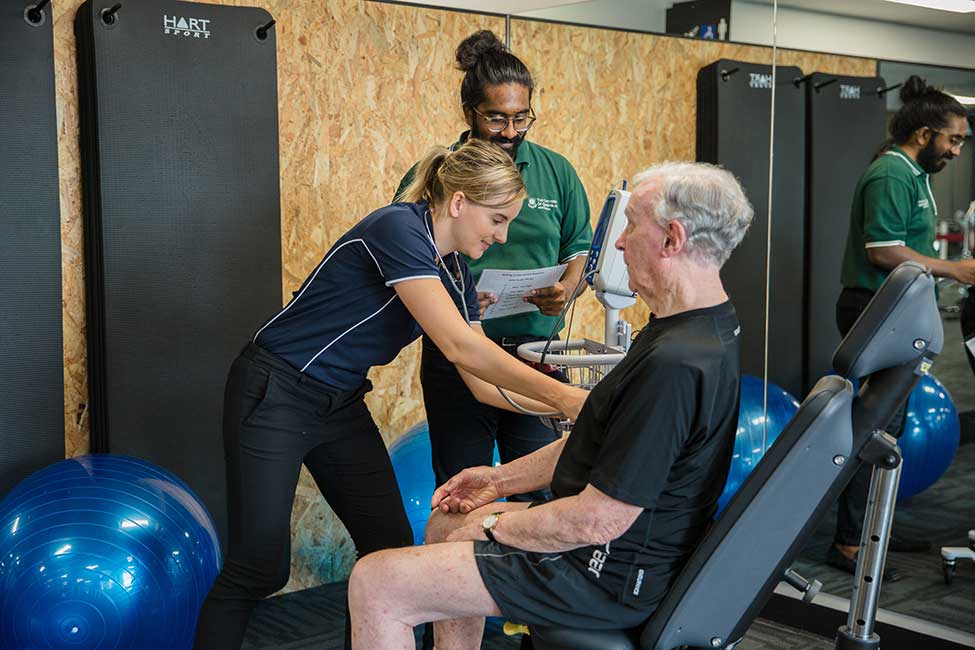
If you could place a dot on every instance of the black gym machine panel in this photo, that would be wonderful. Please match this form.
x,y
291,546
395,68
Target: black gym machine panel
x,y
31,341
733,121
179,141
845,127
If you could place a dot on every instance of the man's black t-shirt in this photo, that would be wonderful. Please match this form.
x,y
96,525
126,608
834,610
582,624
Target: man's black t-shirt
x,y
658,432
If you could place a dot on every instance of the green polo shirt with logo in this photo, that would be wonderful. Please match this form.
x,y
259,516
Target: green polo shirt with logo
x,y
893,206
551,229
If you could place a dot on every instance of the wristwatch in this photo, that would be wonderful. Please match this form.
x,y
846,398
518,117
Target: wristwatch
x,y
489,523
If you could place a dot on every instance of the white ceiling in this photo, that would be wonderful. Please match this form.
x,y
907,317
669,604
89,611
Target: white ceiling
x,y
882,10
500,6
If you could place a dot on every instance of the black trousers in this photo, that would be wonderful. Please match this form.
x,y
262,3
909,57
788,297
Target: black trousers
x,y
852,503
275,420
463,431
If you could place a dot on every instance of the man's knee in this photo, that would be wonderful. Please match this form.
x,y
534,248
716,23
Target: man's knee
x,y
374,579
365,573
440,525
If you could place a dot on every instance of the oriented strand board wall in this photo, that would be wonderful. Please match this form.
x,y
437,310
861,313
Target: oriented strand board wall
x,y
364,89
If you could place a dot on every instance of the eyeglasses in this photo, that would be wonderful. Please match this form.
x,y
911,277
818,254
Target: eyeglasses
x,y
956,141
498,123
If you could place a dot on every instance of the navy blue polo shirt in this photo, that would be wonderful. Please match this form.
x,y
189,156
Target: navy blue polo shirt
x,y
346,317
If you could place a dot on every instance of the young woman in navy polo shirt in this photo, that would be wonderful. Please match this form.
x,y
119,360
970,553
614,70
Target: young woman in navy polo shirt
x,y
295,394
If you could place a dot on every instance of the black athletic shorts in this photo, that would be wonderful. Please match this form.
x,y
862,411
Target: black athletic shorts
x,y
550,589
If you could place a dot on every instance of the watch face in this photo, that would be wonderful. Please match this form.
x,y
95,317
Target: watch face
x,y
489,521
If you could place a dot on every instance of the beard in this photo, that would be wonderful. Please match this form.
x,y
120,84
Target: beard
x,y
929,159
499,139
515,142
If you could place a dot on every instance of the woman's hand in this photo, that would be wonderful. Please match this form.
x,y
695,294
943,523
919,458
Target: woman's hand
x,y
572,401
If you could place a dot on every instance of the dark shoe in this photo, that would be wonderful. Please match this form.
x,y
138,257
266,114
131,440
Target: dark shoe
x,y
908,545
837,560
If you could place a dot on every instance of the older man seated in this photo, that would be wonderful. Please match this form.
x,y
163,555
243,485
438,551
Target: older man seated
x,y
636,483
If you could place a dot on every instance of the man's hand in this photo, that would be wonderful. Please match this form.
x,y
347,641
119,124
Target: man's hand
x,y
549,300
485,299
469,532
468,490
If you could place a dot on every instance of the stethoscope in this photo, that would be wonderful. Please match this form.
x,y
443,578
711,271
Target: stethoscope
x,y
460,289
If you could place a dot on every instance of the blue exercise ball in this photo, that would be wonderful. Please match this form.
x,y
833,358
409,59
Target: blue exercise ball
x,y
103,552
413,466
930,437
751,427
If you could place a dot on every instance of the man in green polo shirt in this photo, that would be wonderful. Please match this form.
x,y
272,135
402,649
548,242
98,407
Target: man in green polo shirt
x,y
892,220
552,228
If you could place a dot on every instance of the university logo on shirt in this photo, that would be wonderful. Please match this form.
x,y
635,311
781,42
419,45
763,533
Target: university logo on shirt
x,y
542,204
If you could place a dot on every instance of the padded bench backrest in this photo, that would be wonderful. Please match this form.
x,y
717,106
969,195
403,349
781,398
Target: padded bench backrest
x,y
759,528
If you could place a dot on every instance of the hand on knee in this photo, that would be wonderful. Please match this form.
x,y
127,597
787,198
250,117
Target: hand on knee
x,y
440,525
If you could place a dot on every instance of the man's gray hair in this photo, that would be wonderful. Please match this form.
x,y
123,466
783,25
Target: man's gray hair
x,y
708,201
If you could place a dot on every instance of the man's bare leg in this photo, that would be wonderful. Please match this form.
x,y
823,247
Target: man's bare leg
x,y
450,633
391,591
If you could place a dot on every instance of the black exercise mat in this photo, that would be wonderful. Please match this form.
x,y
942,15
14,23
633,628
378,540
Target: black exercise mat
x,y
845,126
32,368
733,119
182,205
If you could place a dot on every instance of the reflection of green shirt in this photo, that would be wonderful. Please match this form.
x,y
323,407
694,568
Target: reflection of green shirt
x,y
893,206
552,228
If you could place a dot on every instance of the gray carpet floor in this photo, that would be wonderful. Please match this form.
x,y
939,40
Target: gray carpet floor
x,y
314,619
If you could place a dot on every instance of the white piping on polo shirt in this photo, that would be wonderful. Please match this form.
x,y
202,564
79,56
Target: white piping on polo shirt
x,y
914,169
312,360
315,275
411,277
881,244
573,256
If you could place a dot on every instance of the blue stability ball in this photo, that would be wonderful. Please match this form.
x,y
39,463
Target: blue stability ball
x,y
930,437
103,552
413,465
748,439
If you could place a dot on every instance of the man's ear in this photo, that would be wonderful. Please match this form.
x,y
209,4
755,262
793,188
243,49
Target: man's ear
x,y
676,238
923,136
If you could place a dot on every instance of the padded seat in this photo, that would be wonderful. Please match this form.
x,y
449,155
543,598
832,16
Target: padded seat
x,y
572,639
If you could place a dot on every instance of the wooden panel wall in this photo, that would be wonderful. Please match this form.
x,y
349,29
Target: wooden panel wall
x,y
364,89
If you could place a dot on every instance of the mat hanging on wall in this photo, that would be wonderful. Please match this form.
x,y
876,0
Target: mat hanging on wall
x,y
845,127
733,120
182,213
31,341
